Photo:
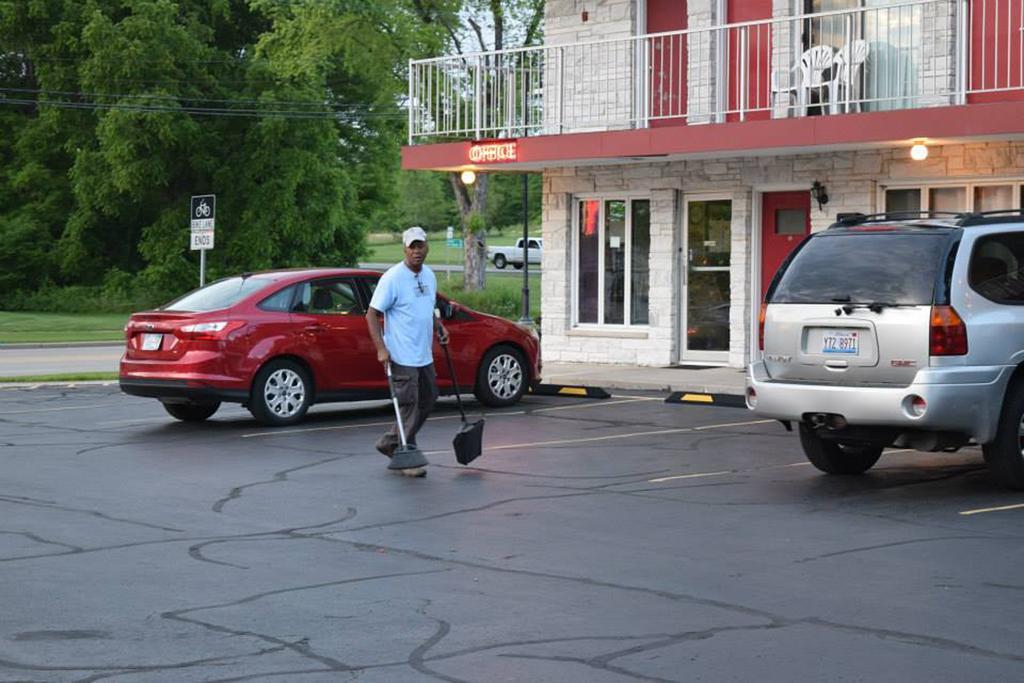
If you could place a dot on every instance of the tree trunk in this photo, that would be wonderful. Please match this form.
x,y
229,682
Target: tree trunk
x,y
472,205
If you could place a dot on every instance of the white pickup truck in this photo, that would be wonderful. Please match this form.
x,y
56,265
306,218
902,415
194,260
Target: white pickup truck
x,y
502,256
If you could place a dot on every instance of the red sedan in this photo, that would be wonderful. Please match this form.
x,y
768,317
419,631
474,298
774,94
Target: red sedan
x,y
279,341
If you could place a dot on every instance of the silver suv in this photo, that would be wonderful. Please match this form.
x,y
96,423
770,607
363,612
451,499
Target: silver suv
x,y
884,331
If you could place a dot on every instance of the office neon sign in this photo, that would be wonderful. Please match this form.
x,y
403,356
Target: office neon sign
x,y
494,152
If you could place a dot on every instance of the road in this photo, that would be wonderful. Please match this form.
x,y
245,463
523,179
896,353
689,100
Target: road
x,y
458,268
26,361
617,540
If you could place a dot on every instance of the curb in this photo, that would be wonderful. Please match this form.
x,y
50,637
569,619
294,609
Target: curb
x,y
725,400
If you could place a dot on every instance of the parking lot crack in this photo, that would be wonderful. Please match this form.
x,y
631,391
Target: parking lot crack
x,y
300,647
236,492
19,500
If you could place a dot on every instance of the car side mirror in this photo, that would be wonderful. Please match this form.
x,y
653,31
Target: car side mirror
x,y
446,310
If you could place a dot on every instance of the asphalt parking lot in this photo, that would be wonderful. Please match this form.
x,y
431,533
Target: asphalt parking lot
x,y
617,540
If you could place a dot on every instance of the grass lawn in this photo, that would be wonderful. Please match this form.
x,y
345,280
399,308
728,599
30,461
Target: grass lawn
x,y
61,327
69,377
385,250
508,283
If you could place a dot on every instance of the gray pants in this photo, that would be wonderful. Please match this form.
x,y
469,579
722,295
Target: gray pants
x,y
416,390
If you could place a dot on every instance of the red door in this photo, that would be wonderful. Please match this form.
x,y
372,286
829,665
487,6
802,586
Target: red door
x,y
667,56
749,60
785,221
997,33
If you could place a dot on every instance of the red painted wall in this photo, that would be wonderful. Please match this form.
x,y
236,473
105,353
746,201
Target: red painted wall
x,y
667,58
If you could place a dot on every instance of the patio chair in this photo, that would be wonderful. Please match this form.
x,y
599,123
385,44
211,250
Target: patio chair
x,y
806,79
844,89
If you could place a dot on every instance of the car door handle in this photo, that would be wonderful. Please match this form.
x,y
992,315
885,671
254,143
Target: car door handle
x,y
318,327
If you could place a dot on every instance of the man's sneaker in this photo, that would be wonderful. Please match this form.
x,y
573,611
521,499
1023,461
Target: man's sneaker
x,y
413,472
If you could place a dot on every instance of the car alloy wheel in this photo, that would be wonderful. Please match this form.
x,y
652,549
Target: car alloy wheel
x,y
505,376
284,393
281,393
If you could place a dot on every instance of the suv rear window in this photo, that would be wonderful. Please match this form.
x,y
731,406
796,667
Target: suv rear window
x,y
220,294
878,267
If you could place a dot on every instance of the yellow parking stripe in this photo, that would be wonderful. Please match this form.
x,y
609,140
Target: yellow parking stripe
x,y
697,398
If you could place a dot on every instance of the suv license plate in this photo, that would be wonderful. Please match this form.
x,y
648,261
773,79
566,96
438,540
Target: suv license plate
x,y
846,343
151,342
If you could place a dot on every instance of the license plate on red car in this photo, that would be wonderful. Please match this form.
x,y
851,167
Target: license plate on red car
x,y
151,342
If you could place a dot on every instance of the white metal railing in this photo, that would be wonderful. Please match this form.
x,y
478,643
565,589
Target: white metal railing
x,y
904,55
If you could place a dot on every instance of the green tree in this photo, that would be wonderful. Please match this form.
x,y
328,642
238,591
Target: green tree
x,y
114,112
483,25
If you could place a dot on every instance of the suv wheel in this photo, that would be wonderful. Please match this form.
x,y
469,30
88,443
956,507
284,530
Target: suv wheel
x,y
835,458
1004,455
281,393
191,412
501,379
500,261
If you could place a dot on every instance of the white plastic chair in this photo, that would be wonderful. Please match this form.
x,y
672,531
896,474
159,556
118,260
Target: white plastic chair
x,y
844,89
805,78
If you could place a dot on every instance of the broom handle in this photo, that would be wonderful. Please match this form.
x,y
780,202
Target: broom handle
x,y
455,381
394,400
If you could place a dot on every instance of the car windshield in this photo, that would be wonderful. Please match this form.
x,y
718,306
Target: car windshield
x,y
881,267
220,294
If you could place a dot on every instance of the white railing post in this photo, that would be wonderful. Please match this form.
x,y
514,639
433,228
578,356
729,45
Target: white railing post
x,y
477,104
561,89
741,96
850,61
412,89
963,41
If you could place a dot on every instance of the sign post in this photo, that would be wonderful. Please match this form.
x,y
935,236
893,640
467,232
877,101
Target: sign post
x,y
203,214
450,235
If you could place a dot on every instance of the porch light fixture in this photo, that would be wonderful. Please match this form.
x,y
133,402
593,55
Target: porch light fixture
x,y
919,152
820,194
468,177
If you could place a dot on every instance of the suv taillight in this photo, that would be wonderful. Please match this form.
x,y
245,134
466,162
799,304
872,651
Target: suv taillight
x,y
760,326
947,335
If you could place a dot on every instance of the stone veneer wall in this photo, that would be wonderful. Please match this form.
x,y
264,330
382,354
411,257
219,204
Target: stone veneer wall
x,y
595,87
590,87
852,179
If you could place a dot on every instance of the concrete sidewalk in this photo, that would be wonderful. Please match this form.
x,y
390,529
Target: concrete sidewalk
x,y
67,358
711,380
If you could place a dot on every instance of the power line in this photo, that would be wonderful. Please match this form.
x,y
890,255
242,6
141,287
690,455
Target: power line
x,y
175,98
201,111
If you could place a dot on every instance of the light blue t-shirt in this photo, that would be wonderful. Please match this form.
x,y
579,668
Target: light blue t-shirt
x,y
407,300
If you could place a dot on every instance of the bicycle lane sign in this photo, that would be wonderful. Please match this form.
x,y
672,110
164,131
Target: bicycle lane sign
x,y
203,214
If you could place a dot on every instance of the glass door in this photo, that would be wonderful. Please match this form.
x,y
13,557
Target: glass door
x,y
706,295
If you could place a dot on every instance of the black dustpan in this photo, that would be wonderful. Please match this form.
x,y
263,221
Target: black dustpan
x,y
468,442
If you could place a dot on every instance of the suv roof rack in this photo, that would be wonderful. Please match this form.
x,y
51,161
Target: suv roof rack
x,y
991,217
863,219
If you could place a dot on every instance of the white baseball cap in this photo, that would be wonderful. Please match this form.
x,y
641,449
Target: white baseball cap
x,y
414,234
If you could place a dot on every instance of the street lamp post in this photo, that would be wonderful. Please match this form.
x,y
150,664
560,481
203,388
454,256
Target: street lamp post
x,y
525,319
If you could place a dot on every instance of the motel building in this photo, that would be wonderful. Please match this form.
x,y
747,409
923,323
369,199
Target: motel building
x,y
687,146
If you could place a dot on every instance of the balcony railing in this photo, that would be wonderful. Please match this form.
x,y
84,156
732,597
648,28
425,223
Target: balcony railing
x,y
908,55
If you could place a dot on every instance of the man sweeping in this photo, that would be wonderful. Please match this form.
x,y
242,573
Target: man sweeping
x,y
406,295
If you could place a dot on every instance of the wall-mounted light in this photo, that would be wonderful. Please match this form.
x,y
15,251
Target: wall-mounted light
x,y
468,177
820,194
919,152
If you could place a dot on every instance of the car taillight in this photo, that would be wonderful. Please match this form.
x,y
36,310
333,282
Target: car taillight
x,y
947,335
760,326
214,330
